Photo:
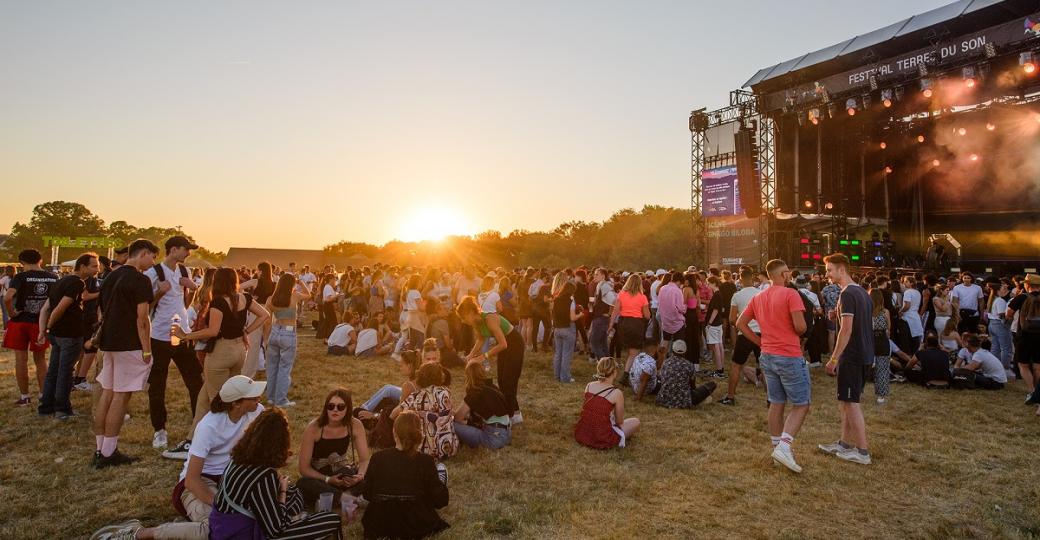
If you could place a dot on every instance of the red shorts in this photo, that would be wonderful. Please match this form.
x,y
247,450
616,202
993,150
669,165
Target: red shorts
x,y
21,336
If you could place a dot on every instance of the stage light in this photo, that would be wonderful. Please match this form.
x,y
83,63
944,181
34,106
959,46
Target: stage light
x,y
850,106
926,88
935,163
974,157
805,255
962,131
829,206
968,73
886,97
888,170
990,127
920,138
803,240
1028,62
814,116
883,145
808,204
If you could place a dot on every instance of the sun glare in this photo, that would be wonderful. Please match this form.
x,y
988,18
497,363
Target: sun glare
x,y
433,223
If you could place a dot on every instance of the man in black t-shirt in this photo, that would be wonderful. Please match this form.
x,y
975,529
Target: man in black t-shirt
x,y
1027,337
90,321
61,322
853,355
126,348
25,295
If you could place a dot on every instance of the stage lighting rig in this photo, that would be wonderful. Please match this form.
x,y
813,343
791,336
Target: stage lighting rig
x,y
926,88
1027,61
886,97
968,74
850,106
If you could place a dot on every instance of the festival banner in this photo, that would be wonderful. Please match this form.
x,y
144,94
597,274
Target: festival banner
x,y
733,240
720,195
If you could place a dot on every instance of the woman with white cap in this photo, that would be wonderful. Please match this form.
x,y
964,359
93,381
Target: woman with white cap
x,y
230,413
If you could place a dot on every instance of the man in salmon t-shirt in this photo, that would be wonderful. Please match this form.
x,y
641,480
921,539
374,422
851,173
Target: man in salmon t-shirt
x,y
780,315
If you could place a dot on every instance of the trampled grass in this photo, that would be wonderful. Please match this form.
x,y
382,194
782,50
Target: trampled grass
x,y
947,464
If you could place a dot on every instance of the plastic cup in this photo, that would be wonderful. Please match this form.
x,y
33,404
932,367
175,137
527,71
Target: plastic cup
x,y
325,502
348,505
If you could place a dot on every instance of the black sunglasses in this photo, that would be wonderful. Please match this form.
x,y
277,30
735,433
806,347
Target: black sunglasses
x,y
336,406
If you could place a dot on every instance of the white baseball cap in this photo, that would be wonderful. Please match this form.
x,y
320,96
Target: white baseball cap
x,y
679,346
241,387
661,272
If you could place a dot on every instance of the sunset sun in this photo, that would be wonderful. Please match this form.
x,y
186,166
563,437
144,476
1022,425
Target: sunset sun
x,y
433,223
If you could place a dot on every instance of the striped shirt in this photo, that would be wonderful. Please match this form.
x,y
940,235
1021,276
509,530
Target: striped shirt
x,y
256,489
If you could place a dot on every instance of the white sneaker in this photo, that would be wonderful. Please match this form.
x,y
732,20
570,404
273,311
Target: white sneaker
x,y
881,401
287,404
516,418
180,452
854,456
159,439
832,448
118,530
442,473
84,387
785,457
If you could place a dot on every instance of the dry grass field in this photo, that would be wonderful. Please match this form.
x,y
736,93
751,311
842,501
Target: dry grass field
x,y
946,465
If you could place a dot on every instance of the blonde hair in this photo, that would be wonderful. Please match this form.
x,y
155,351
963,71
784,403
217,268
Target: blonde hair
x,y
558,283
634,285
605,368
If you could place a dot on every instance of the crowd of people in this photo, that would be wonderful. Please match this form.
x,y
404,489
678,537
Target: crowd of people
x,y
648,331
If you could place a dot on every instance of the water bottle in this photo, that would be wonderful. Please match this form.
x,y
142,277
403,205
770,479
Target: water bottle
x,y
174,340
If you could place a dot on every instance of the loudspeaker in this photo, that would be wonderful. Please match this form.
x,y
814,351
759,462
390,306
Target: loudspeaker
x,y
747,172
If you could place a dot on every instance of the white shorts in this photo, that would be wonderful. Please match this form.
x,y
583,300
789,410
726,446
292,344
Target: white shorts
x,y
714,335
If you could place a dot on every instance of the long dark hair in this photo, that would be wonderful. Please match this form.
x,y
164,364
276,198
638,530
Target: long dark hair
x,y
342,393
225,283
264,282
282,296
265,442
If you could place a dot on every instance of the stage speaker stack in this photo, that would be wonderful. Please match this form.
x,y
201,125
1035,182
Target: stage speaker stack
x,y
747,172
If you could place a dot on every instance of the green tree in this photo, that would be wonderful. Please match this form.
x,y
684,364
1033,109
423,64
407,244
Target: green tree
x,y
55,218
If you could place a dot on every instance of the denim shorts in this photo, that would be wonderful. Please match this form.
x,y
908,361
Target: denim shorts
x,y
787,378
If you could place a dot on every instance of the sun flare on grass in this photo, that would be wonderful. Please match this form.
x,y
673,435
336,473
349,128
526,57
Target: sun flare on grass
x,y
433,223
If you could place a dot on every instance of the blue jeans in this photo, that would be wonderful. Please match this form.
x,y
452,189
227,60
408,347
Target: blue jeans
x,y
387,391
598,337
563,352
1000,341
58,384
281,354
787,378
492,436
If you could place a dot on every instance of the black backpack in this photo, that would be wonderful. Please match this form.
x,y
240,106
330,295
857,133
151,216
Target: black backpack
x,y
188,295
810,319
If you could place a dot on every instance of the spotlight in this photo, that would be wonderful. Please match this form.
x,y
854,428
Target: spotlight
x,y
886,97
920,138
991,127
829,206
807,204
962,131
968,73
850,106
935,163
888,170
1028,62
814,116
883,145
974,157
926,88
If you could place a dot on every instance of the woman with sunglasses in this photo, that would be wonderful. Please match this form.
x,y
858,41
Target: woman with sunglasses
x,y
334,451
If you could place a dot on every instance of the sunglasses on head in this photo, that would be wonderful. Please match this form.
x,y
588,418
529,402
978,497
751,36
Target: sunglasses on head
x,y
336,406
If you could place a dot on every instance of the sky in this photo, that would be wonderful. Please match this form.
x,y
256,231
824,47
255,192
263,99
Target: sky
x,y
300,124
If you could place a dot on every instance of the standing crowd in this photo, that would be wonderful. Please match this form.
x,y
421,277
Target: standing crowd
x,y
648,331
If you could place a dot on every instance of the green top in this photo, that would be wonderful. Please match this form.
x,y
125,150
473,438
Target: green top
x,y
507,327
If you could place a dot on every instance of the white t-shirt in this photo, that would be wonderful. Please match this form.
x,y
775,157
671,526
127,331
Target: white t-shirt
x,y
366,339
606,292
214,438
643,363
308,278
990,365
411,300
654,287
998,308
740,301
488,301
968,297
340,335
532,291
811,296
328,292
912,316
171,303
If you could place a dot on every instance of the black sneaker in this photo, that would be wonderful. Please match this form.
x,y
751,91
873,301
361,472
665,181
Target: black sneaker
x,y
727,401
718,374
97,459
116,459
179,453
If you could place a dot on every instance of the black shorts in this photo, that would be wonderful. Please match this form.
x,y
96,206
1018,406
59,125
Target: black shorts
x,y
851,378
668,337
632,331
1027,348
743,349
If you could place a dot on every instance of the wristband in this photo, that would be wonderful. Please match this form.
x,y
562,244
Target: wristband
x,y
146,354
326,479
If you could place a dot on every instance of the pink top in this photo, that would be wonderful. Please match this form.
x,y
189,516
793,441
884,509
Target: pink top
x,y
670,308
772,309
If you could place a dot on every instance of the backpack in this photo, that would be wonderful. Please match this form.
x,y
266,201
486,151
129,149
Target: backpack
x,y
810,319
189,295
1030,325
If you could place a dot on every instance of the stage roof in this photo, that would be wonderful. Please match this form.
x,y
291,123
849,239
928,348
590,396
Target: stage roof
x,y
908,33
